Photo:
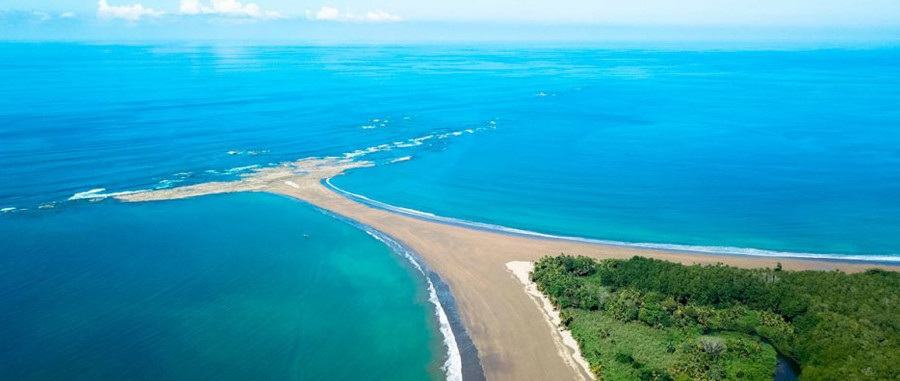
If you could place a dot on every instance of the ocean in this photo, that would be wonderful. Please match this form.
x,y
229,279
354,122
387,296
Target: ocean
x,y
228,287
792,152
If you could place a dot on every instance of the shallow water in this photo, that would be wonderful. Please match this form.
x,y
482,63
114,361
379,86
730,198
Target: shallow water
x,y
230,287
785,150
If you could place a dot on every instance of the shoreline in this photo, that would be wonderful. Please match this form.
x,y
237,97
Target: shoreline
x,y
875,259
511,335
566,345
462,356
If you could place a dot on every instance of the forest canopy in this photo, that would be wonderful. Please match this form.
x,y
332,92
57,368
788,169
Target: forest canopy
x,y
650,319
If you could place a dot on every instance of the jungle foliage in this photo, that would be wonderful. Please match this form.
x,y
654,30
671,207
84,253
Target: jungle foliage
x,y
649,319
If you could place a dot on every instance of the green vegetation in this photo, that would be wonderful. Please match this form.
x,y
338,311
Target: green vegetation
x,y
647,319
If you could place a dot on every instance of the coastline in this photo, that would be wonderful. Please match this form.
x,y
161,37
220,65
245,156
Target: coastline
x,y
462,361
890,260
509,332
566,346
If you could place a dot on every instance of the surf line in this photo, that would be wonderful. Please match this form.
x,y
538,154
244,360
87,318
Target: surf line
x,y
886,259
462,361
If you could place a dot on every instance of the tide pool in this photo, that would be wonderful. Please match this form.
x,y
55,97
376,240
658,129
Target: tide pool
x,y
229,287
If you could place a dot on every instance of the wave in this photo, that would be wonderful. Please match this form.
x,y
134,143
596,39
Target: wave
x,y
240,169
8,209
453,365
408,143
249,152
86,194
167,183
180,177
722,250
97,194
366,151
400,159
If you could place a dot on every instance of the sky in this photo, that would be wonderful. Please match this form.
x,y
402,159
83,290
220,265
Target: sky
x,y
462,19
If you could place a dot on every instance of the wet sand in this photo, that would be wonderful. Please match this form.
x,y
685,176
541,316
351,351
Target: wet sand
x,y
509,329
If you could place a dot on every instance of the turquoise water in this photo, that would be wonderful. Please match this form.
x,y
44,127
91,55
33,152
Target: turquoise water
x,y
782,150
217,288
743,151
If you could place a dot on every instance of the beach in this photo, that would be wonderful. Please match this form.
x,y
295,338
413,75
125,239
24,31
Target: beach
x,y
509,330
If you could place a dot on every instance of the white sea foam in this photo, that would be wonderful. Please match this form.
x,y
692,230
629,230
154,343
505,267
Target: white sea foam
x,y
406,145
366,151
250,152
168,183
400,159
413,142
241,169
421,140
6,210
97,194
726,250
87,194
453,365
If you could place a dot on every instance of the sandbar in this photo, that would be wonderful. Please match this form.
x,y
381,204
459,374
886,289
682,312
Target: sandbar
x,y
509,329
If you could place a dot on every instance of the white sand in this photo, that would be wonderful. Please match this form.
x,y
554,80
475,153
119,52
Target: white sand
x,y
567,347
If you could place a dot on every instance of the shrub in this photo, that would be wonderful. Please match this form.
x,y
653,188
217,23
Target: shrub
x,y
712,346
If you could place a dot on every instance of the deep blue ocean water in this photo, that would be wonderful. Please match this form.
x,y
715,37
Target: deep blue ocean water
x,y
785,150
781,150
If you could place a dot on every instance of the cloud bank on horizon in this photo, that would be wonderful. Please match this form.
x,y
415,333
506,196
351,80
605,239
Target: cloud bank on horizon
x,y
225,7
133,12
412,20
229,8
333,14
852,13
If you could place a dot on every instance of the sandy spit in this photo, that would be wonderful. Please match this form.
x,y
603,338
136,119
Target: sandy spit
x,y
508,326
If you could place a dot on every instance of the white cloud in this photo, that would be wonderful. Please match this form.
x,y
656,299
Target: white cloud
x,y
40,16
132,12
67,15
379,16
226,8
333,14
326,13
190,7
